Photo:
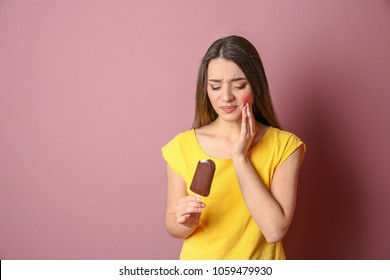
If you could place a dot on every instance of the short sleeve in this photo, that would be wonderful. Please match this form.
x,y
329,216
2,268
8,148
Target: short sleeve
x,y
289,143
172,155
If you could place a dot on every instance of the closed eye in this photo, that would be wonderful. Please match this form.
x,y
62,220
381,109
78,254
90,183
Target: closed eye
x,y
240,86
214,86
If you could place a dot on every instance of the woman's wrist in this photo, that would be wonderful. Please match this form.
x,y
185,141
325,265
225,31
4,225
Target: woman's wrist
x,y
176,229
239,158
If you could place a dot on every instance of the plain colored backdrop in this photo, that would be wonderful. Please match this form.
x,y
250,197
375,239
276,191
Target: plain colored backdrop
x,y
90,90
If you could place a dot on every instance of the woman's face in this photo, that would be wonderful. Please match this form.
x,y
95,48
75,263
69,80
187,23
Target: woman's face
x,y
227,88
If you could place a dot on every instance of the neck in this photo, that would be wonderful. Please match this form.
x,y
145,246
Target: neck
x,y
227,129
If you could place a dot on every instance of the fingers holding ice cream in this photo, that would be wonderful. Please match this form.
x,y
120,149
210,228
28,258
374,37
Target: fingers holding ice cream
x,y
188,211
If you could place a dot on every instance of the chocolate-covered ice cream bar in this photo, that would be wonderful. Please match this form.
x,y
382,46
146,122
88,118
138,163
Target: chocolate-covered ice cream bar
x,y
203,177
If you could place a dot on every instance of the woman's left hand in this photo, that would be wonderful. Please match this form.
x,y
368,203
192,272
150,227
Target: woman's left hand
x,y
248,131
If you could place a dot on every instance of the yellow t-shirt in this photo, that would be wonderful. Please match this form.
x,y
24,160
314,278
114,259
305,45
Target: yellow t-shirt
x,y
226,229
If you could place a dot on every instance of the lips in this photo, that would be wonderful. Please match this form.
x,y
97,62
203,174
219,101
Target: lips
x,y
228,109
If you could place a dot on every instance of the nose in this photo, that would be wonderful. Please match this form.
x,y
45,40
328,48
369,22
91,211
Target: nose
x,y
227,95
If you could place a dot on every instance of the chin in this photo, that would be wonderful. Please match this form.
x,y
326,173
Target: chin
x,y
231,118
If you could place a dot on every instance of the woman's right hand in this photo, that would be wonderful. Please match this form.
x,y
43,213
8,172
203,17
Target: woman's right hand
x,y
188,211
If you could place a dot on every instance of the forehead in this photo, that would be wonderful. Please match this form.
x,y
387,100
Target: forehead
x,y
220,68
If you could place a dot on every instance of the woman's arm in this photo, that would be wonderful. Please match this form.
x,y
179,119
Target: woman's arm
x,y
271,209
183,210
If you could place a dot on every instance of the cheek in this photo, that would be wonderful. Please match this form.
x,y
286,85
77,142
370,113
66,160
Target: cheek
x,y
247,99
211,99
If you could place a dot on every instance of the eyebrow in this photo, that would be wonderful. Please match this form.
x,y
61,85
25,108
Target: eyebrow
x,y
231,80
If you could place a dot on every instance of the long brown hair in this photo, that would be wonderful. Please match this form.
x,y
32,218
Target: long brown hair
x,y
244,54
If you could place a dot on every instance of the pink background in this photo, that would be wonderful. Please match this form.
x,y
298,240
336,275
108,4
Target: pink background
x,y
91,90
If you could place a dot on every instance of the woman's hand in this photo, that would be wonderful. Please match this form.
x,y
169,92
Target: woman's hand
x,y
188,211
248,131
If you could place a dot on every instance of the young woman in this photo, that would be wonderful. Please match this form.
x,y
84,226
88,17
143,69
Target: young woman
x,y
253,194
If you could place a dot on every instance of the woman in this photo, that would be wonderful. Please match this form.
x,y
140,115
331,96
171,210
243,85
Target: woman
x,y
253,194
